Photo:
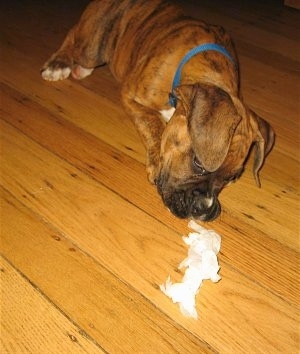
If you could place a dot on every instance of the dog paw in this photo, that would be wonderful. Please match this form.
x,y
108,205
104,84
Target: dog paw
x,y
152,178
57,70
57,67
54,74
152,165
152,174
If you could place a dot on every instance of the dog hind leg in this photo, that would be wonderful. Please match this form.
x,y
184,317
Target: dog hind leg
x,y
62,63
80,53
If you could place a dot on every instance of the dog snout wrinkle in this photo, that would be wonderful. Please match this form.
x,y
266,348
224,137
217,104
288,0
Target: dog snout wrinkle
x,y
161,182
178,204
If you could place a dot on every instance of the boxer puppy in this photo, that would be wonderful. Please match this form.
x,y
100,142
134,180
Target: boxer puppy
x,y
198,141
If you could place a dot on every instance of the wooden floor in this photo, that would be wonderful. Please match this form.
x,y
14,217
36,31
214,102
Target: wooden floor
x,y
86,241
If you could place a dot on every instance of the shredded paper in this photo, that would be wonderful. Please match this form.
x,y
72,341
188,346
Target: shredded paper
x,y
200,264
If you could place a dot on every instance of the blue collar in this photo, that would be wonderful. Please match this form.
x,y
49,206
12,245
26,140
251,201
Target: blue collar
x,y
188,56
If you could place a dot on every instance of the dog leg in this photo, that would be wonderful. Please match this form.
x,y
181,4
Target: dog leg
x,y
150,128
80,52
62,63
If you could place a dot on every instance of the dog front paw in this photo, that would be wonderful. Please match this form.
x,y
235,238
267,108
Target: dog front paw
x,y
152,172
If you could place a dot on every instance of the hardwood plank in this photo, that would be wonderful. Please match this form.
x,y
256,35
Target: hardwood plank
x,y
270,16
109,167
32,324
127,245
113,313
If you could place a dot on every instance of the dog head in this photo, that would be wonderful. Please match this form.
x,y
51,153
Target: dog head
x,y
204,148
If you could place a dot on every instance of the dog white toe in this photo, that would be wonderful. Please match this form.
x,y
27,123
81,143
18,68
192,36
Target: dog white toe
x,y
50,74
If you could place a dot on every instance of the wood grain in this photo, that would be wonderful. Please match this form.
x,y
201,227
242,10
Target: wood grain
x,y
46,327
86,240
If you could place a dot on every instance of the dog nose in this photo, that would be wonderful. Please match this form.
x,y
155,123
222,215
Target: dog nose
x,y
204,207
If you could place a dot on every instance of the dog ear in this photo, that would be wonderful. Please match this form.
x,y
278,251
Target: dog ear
x,y
212,120
264,138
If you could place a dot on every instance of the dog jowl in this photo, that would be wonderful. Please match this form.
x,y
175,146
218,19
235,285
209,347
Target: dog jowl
x,y
198,141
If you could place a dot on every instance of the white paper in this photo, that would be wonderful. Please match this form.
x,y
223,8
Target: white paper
x,y
201,263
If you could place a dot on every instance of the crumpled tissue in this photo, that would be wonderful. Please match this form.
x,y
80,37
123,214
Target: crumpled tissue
x,y
201,263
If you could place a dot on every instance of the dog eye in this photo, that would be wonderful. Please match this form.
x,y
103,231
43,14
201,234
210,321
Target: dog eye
x,y
200,169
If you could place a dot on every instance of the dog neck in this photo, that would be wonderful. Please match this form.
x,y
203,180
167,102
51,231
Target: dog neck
x,y
196,50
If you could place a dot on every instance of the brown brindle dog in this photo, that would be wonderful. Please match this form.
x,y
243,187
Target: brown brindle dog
x,y
193,151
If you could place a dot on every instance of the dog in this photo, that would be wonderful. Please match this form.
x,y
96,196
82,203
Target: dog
x,y
180,85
